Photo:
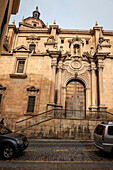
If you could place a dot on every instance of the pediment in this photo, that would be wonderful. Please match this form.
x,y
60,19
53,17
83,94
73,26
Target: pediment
x,y
21,48
32,88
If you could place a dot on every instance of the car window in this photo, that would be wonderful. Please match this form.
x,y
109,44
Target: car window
x,y
4,130
110,130
99,129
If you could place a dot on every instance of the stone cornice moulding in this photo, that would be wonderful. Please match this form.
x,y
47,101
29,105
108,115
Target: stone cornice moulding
x,y
69,31
101,55
13,27
54,53
6,54
18,76
39,54
44,30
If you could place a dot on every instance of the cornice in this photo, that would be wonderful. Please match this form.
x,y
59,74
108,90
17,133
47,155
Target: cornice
x,y
108,32
6,54
34,31
69,31
13,27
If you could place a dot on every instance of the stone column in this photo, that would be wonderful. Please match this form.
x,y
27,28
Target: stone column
x,y
52,90
100,82
93,86
59,83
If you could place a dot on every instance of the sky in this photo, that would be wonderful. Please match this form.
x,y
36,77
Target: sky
x,y
69,14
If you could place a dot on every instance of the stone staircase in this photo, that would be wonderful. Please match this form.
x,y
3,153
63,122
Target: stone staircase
x,y
57,123
24,124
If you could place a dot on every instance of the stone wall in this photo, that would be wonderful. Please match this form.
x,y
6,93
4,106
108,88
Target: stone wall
x,y
64,129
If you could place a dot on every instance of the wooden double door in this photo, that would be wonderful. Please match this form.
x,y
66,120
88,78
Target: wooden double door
x,y
75,99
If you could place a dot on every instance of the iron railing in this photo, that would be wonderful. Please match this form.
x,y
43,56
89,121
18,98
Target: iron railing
x,y
61,114
80,114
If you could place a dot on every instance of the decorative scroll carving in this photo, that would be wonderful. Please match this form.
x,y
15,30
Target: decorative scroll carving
x,y
32,88
33,37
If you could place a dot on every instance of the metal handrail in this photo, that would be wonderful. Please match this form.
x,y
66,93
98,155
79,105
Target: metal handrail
x,y
65,110
34,116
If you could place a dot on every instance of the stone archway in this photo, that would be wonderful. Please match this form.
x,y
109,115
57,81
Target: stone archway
x,y
75,102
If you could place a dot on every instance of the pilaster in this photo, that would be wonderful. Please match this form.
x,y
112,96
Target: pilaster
x,y
93,87
59,83
52,91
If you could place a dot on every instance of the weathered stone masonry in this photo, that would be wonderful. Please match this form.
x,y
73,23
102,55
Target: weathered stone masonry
x,y
44,68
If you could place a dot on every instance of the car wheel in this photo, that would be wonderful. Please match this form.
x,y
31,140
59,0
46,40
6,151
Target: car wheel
x,y
7,152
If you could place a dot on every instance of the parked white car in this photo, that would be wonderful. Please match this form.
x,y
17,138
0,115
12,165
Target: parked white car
x,y
103,137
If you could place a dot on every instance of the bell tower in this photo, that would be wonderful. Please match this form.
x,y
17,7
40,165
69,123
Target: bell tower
x,y
36,13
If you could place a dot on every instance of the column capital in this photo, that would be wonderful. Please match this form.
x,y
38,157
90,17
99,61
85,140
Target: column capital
x,y
60,66
93,66
54,62
100,65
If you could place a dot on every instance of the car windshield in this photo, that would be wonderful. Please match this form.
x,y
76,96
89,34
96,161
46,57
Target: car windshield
x,y
4,130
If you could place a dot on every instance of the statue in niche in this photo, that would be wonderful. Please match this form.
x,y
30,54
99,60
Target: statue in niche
x,y
76,49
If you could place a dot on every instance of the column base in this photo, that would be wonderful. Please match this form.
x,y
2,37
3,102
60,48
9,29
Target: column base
x,y
93,108
102,108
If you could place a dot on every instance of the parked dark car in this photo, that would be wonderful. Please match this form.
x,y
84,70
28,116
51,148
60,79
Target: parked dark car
x,y
103,137
11,142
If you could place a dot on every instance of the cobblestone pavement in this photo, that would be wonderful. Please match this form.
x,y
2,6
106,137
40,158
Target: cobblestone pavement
x,y
59,154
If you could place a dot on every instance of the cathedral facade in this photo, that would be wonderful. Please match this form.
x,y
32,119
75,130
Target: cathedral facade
x,y
44,68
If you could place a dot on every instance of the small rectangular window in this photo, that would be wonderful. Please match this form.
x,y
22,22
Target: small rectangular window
x,y
31,104
20,66
62,41
87,42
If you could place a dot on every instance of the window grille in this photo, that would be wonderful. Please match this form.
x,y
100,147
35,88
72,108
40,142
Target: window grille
x,y
20,67
31,104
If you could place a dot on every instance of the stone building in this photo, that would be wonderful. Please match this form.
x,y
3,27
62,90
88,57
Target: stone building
x,y
7,7
45,68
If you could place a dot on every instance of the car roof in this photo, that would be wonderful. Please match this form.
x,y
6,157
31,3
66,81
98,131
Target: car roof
x,y
106,123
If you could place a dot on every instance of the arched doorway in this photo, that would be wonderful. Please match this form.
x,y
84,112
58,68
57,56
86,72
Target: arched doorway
x,y
75,99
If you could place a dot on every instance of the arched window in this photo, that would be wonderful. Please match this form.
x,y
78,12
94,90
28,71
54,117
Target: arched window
x,y
32,47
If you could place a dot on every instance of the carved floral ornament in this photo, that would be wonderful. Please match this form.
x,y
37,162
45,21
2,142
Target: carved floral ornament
x,y
76,40
76,64
32,38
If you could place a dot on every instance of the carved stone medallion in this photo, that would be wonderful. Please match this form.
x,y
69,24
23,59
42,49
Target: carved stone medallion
x,y
76,64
